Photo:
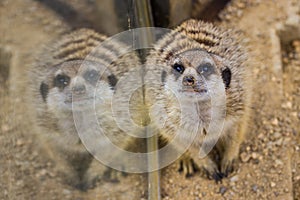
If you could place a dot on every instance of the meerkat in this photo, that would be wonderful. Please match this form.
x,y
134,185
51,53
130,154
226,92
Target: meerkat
x,y
71,76
202,76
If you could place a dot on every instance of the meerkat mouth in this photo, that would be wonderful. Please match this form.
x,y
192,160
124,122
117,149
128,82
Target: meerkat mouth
x,y
79,99
194,90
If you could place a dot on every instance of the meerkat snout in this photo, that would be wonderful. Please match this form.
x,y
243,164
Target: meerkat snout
x,y
78,87
188,81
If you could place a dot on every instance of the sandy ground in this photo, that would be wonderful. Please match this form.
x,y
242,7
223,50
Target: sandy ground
x,y
269,165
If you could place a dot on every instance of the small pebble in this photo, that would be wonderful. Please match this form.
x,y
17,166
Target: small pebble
x,y
277,135
241,5
222,190
234,178
278,162
20,183
289,104
297,178
244,157
254,188
66,192
274,122
20,142
294,114
272,184
4,128
254,155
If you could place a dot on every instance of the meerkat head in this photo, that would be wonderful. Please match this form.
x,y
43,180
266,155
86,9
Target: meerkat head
x,y
76,83
194,74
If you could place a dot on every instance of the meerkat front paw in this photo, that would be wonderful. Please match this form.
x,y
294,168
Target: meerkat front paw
x,y
206,166
229,155
98,172
210,168
228,166
113,175
187,166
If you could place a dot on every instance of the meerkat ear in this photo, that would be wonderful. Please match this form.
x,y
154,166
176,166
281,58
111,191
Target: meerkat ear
x,y
226,76
163,76
44,90
112,80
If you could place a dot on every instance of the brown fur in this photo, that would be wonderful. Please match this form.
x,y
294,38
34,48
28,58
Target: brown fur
x,y
56,129
224,47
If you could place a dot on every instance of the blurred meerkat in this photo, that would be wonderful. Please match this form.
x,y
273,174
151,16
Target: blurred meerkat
x,y
73,75
195,64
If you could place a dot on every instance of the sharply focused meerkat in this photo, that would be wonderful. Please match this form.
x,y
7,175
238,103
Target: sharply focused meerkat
x,y
203,82
78,74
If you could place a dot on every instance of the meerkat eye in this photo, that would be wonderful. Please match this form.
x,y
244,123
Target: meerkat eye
x,y
178,67
205,69
61,81
91,76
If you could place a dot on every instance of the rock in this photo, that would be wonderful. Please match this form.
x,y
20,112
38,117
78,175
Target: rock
x,y
244,157
4,128
277,135
287,105
286,190
241,5
278,162
222,190
275,122
20,142
254,188
234,178
294,114
254,155
66,192
20,183
260,136
272,184
43,172
296,178
278,142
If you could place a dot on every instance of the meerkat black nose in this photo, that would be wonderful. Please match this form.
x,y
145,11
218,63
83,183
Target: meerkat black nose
x,y
188,81
79,89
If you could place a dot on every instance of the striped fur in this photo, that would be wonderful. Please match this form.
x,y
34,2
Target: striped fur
x,y
226,46
226,43
55,124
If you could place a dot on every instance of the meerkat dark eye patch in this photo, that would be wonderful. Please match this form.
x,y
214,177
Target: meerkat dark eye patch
x,y
112,80
178,68
91,76
44,90
163,76
61,81
226,76
205,69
